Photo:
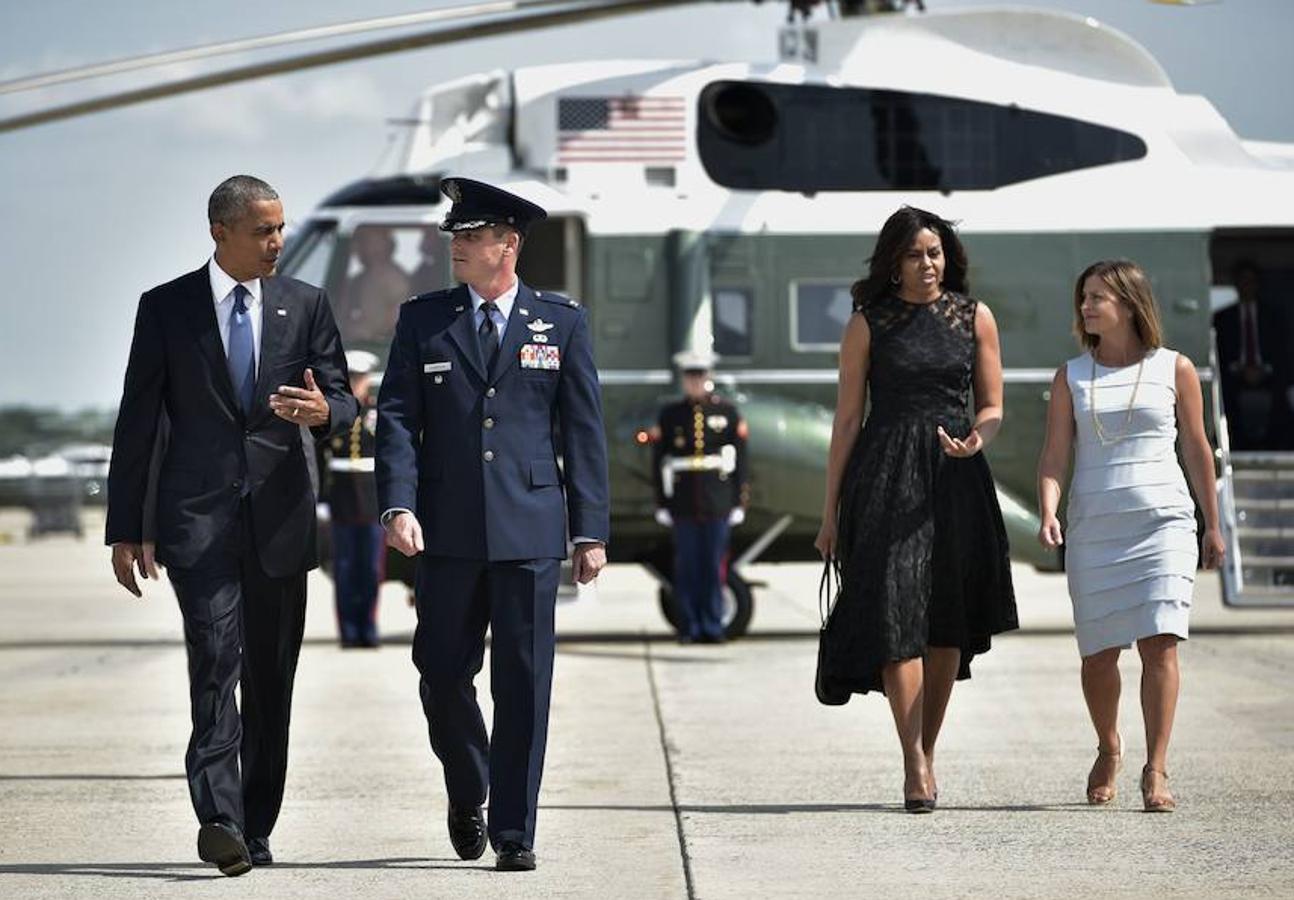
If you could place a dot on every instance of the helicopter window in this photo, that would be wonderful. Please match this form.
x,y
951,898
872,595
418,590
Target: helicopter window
x,y
387,264
308,253
730,322
819,138
819,312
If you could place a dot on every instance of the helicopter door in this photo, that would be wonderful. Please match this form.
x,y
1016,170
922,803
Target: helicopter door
x,y
1252,394
552,258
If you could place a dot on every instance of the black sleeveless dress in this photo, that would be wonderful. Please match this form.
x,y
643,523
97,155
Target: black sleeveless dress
x,y
922,546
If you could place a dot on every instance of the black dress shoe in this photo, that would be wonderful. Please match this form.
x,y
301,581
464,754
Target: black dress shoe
x,y
259,849
222,844
467,832
514,858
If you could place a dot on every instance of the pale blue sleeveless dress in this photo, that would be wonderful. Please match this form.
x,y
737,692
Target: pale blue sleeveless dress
x,y
1130,547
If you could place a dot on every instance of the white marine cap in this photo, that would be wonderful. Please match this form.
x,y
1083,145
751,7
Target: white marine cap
x,y
361,362
695,360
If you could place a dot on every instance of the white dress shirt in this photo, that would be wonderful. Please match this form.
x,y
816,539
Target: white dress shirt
x,y
504,302
222,293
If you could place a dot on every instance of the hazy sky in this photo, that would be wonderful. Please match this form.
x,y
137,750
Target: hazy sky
x,y
96,210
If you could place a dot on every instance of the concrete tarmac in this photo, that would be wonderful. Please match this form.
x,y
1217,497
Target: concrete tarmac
x,y
673,772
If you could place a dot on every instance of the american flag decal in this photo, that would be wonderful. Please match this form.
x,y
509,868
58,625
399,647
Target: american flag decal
x,y
627,129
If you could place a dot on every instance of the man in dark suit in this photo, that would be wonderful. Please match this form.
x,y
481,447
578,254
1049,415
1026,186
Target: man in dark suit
x,y
486,386
1254,361
237,361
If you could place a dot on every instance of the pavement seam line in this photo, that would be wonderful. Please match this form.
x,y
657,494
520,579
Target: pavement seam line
x,y
669,770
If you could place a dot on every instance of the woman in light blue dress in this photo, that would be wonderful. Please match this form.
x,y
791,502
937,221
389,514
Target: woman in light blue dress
x,y
1122,407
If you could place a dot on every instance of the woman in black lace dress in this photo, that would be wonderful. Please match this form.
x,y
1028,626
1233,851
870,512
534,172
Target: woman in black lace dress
x,y
911,513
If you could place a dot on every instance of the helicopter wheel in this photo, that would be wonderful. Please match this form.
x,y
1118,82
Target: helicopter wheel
x,y
738,604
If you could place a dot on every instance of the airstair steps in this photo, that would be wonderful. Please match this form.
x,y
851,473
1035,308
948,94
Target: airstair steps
x,y
1262,487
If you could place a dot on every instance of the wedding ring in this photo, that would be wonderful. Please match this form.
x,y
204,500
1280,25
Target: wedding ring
x,y
294,412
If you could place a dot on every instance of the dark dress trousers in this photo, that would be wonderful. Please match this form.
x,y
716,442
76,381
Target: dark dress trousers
x,y
234,520
1250,432
475,454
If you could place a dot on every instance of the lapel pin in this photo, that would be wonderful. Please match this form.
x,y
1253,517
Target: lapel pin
x,y
458,309
281,311
524,312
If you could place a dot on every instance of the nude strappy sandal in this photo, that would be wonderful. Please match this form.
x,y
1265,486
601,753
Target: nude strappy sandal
x,y
1152,802
1104,794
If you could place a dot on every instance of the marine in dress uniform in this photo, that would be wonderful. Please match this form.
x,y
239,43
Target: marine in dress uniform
x,y
468,478
359,546
701,491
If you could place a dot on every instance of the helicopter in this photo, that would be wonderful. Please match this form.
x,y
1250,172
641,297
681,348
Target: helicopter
x,y
728,206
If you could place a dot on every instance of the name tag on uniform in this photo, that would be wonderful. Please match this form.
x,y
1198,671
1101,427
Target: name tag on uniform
x,y
428,368
541,356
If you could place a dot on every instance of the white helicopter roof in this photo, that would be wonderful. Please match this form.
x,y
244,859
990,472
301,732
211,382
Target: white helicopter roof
x,y
1196,173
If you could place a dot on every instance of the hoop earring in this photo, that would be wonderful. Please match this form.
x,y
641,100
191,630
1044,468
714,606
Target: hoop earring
x,y
896,280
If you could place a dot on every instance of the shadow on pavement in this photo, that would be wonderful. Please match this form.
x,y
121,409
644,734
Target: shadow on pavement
x,y
195,871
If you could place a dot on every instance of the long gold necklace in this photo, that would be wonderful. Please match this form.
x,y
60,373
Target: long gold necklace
x,y
1101,434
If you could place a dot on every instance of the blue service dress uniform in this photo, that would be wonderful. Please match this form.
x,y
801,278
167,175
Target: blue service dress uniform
x,y
359,545
475,453
700,468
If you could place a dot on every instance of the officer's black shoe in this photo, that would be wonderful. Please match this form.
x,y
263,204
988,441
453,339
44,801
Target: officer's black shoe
x,y
222,844
712,639
259,849
514,858
467,832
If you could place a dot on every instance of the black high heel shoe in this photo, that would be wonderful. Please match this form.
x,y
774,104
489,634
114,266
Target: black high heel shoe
x,y
920,804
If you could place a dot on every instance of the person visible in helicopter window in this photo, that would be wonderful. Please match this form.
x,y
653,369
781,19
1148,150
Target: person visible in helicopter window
x,y
431,273
910,512
1253,362
701,492
372,296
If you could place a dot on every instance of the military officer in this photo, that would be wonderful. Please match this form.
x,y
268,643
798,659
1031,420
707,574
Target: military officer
x,y
468,478
359,548
701,491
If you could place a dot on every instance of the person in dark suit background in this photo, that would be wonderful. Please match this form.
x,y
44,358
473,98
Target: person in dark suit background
x,y
237,361
1253,356
486,385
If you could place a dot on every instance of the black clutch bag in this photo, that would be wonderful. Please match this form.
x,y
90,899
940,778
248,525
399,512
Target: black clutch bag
x,y
828,594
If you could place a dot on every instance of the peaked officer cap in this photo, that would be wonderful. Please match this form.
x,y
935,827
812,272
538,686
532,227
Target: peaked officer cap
x,y
695,360
361,362
477,204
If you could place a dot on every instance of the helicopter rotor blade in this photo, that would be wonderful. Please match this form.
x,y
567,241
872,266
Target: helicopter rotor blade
x,y
242,45
485,20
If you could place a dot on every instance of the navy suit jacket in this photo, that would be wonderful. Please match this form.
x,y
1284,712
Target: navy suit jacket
x,y
475,453
214,455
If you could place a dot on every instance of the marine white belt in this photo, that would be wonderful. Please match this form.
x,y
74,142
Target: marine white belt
x,y
724,461
363,464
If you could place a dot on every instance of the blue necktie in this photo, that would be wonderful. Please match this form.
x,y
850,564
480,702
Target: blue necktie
x,y
488,334
242,355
